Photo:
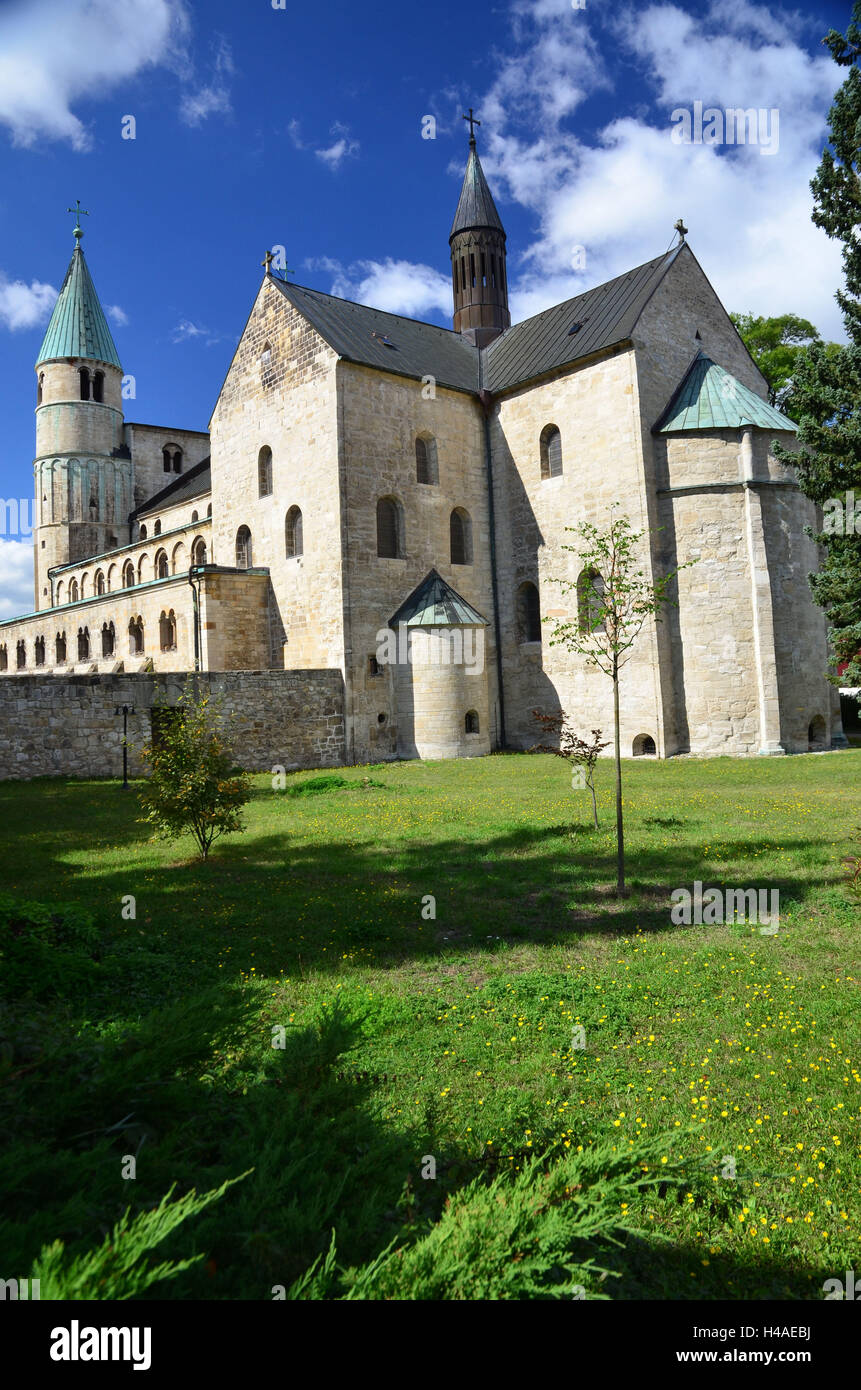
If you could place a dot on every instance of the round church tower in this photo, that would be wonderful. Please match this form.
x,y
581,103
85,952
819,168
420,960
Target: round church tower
x,y
83,471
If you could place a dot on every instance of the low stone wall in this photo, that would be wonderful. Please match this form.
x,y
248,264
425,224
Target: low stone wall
x,y
65,726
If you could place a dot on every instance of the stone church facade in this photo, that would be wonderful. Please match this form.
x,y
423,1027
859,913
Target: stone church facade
x,y
366,474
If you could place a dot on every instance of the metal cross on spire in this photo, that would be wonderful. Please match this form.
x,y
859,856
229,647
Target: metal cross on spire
x,y
267,263
472,122
78,210
681,229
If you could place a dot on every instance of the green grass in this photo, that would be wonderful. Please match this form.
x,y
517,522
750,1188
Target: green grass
x,y
408,1036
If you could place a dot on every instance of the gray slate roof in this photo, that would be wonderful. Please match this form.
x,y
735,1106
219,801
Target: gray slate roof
x,y
540,344
475,207
194,483
434,603
607,314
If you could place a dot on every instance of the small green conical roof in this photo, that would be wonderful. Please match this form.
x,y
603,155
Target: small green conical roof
x,y
476,207
711,398
78,326
434,603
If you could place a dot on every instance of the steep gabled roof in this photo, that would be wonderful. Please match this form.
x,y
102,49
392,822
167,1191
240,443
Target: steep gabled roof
x,y
710,398
606,314
475,207
388,341
78,327
434,603
195,483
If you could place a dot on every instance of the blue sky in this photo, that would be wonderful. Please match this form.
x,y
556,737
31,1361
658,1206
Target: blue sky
x,y
258,126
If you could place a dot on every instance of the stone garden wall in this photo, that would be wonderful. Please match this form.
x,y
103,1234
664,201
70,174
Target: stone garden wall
x,y
65,726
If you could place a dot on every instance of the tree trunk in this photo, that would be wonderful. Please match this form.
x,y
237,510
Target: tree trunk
x,y
620,832
594,802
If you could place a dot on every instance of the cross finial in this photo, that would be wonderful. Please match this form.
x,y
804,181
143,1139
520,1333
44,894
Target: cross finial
x,y
267,263
472,122
681,229
78,210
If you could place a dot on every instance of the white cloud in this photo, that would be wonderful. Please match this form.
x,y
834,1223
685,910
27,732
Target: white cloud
x,y
186,331
619,193
16,578
55,54
213,98
345,147
25,306
399,287
119,315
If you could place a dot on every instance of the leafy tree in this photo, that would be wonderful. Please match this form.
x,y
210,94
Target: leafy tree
x,y
575,750
194,784
775,345
826,387
614,599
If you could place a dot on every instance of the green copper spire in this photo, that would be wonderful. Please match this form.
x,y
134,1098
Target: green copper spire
x,y
78,326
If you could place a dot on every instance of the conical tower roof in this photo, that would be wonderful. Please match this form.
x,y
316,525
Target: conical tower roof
x,y
476,207
710,398
78,326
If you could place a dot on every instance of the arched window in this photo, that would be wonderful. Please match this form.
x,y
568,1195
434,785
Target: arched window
x,y
143,569
84,378
108,639
60,593
99,387
389,532
816,733
162,569
209,509
264,472
60,648
460,535
156,530
99,582
550,446
293,541
529,613
177,460
165,459
136,636
644,746
266,355
39,651
40,389
198,551
83,643
128,575
84,585
243,548
142,532
194,517
177,559
471,721
110,578
427,470
73,591
590,601
4,658
21,655
167,631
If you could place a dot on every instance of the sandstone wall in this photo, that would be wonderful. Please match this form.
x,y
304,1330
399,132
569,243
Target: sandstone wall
x,y
66,726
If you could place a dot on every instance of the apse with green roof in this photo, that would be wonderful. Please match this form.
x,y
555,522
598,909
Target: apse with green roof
x,y
83,469
711,398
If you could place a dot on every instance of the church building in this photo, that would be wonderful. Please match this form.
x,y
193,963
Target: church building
x,y
391,500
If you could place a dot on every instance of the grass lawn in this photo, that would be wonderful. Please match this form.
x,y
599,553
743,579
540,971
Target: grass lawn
x,y
410,1037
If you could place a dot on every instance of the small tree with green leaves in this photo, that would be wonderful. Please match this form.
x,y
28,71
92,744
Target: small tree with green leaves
x,y
581,755
614,600
194,786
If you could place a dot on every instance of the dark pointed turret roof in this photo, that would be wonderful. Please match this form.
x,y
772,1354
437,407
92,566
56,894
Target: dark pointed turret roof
x,y
476,207
78,326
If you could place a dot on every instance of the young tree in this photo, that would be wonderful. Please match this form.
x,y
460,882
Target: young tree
x,y
826,387
574,749
194,786
614,600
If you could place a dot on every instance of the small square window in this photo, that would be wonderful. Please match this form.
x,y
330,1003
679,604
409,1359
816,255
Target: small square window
x,y
374,667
